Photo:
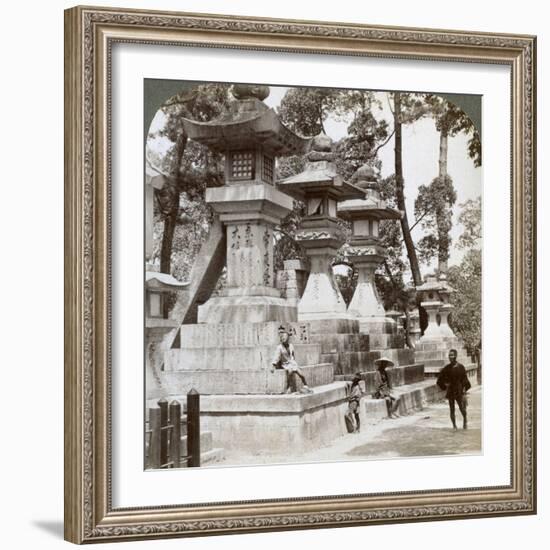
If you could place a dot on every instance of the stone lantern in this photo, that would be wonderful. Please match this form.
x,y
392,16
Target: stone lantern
x,y
414,330
157,285
366,251
434,295
250,135
446,308
320,187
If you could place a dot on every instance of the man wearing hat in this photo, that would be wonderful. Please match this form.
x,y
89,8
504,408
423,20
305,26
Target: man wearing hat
x,y
383,386
284,358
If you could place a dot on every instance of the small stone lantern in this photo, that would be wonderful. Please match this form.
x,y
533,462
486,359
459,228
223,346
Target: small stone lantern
x,y
434,295
157,285
366,251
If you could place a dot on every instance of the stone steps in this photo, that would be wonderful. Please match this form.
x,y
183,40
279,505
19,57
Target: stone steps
x,y
341,343
349,363
471,371
352,361
412,397
399,376
386,341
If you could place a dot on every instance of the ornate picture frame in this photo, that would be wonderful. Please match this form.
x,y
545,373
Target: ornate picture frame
x,y
90,34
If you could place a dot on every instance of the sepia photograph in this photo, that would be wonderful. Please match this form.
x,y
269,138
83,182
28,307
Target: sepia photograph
x,y
312,277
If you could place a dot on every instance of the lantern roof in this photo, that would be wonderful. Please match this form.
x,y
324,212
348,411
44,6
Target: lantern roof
x,y
163,282
320,176
370,205
247,123
433,283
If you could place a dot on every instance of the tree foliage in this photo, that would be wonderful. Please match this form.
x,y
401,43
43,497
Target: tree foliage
x,y
435,201
190,168
470,218
304,110
465,278
434,206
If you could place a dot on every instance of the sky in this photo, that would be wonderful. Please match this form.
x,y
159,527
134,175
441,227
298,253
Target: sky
x,y
420,160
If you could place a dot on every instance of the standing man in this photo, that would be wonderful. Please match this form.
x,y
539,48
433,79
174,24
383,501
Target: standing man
x,y
353,422
285,359
454,379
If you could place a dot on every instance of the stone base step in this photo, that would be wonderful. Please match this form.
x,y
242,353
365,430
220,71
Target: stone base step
x,y
231,335
276,423
258,381
241,358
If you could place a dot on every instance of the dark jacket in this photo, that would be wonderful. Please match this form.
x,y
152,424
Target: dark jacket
x,y
454,379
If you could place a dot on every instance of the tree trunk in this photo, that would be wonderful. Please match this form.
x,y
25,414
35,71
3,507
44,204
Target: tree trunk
x,y
400,193
171,213
443,146
443,237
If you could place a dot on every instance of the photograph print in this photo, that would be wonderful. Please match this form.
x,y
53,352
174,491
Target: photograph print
x,y
312,275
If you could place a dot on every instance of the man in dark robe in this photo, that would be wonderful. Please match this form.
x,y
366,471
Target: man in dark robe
x,y
454,379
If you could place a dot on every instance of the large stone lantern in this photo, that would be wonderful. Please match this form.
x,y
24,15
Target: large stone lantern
x,y
366,251
320,187
250,135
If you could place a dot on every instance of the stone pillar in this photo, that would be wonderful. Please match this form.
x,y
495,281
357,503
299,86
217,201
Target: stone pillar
x,y
292,279
366,303
322,298
249,213
444,327
432,309
249,256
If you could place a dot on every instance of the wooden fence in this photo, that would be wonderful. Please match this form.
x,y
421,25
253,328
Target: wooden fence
x,y
164,433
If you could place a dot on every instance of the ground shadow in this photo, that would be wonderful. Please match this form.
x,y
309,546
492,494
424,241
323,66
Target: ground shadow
x,y
53,527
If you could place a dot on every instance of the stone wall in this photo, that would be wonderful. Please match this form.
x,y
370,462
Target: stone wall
x,y
276,424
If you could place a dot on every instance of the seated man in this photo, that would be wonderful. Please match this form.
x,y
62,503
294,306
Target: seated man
x,y
383,386
285,359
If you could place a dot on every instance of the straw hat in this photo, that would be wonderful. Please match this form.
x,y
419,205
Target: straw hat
x,y
384,359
